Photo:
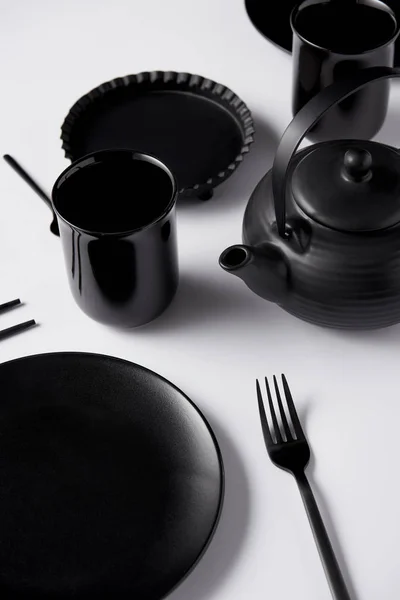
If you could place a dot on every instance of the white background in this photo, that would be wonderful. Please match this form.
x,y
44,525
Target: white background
x,y
216,337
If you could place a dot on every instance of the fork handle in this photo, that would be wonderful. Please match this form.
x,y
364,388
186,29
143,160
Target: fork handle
x,y
328,558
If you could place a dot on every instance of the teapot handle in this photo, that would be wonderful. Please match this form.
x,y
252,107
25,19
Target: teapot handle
x,y
305,119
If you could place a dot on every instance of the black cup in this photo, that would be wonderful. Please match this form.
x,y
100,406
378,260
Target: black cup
x,y
332,40
116,213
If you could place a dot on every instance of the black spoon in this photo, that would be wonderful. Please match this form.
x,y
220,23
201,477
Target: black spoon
x,y
28,179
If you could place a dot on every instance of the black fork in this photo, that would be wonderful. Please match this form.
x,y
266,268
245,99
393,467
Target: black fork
x,y
291,452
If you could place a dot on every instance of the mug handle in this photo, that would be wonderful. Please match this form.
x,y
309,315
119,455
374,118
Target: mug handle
x,y
305,119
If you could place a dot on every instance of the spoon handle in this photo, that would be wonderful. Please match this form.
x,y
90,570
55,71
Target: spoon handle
x,y
27,178
35,187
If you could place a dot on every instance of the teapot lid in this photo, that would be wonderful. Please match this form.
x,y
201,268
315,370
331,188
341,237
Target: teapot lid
x,y
349,185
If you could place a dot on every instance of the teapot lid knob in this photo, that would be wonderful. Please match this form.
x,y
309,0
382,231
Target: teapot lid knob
x,y
348,185
357,164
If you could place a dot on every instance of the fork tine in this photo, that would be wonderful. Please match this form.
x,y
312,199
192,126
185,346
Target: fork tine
x,y
264,421
285,424
278,434
292,410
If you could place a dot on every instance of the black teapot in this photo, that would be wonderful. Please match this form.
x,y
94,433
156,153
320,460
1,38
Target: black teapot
x,y
321,230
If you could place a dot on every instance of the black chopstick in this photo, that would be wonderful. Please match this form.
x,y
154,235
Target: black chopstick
x,y
4,333
10,304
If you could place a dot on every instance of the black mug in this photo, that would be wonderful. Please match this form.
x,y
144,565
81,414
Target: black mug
x,y
332,40
116,214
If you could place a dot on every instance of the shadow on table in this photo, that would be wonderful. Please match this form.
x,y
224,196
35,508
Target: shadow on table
x,y
210,302
387,336
224,551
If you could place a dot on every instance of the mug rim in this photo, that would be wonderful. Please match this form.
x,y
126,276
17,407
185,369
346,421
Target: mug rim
x,y
373,3
90,159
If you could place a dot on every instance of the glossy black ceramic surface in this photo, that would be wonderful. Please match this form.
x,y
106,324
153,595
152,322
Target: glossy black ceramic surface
x,y
325,244
272,20
332,41
111,480
199,128
116,212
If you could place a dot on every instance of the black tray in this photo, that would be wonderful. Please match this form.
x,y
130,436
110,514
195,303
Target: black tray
x,y
111,480
199,128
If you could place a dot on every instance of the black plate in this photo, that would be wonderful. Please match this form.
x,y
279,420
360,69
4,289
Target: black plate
x,y
272,19
199,128
111,480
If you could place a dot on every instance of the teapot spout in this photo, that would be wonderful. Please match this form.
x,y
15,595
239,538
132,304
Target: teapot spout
x,y
263,269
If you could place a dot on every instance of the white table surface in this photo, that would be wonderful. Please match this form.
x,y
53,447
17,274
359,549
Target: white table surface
x,y
217,336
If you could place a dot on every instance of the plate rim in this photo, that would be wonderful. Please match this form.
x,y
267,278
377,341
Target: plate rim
x,y
221,468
